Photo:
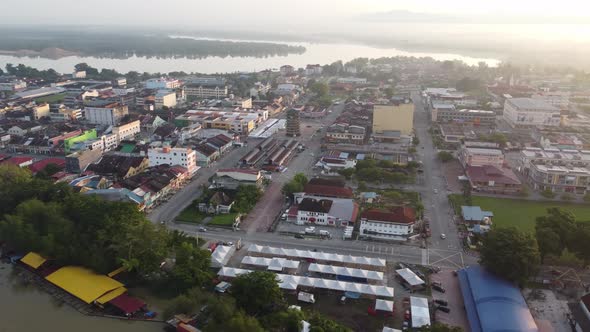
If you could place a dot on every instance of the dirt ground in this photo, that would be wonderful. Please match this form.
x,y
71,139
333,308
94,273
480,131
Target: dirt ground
x,y
452,170
549,311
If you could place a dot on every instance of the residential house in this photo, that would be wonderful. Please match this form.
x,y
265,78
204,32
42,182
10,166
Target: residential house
x,y
219,203
205,154
119,167
396,224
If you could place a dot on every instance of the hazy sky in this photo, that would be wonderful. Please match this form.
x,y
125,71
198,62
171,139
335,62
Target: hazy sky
x,y
261,12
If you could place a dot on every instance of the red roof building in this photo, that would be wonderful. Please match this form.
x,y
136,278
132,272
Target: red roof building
x,y
492,179
327,191
396,224
41,164
18,161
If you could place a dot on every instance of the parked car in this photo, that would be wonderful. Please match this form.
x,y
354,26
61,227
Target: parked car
x,y
443,236
442,302
420,274
443,309
299,236
438,288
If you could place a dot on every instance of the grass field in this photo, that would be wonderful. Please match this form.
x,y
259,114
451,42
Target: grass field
x,y
522,213
51,99
223,219
191,214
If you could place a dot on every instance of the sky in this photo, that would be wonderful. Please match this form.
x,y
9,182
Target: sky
x,y
260,13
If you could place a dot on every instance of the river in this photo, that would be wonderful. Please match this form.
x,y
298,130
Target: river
x,y
315,53
25,308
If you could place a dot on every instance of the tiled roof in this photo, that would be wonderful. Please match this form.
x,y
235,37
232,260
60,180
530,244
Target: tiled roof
x,y
17,160
41,164
330,191
239,170
488,173
400,214
314,205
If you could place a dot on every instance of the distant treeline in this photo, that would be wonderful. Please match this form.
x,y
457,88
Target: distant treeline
x,y
124,45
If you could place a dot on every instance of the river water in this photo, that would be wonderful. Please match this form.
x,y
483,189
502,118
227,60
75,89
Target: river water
x,y
24,308
315,53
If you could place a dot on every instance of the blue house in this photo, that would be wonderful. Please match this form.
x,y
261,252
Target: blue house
x,y
475,215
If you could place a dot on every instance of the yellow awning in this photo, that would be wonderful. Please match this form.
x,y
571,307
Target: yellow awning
x,y
83,283
111,295
33,260
117,271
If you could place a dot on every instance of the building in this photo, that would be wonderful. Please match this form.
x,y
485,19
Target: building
x,y
82,137
345,133
390,121
127,131
293,123
12,85
24,128
165,98
327,211
232,178
493,179
206,155
78,161
560,171
162,83
65,114
527,112
448,113
119,81
481,157
314,69
475,215
18,161
119,167
40,111
109,114
396,224
559,99
206,87
351,80
287,70
488,298
184,157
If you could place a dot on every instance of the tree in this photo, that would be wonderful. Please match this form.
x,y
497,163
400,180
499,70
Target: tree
x,y
258,292
241,322
547,193
548,241
295,185
445,156
567,197
246,198
415,140
192,266
319,323
389,92
362,186
511,254
321,89
347,173
288,320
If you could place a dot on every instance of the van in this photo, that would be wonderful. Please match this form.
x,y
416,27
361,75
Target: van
x,y
325,233
310,230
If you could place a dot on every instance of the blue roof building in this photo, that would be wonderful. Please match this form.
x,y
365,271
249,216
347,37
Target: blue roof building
x,y
493,304
475,213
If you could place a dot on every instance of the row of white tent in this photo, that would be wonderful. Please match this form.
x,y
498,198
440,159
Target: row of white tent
x,y
410,277
221,255
317,255
346,271
291,282
420,311
272,264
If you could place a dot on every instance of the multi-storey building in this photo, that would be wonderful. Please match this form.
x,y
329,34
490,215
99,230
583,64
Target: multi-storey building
x,y
206,87
184,157
293,123
450,114
127,131
165,98
387,119
481,157
345,133
107,114
396,224
527,112
162,83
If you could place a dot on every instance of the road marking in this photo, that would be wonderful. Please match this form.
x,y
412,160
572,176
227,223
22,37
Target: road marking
x,y
424,257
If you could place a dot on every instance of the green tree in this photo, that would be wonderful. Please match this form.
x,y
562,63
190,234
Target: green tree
x,y
567,197
295,185
389,92
560,222
192,267
547,193
258,292
241,322
511,254
288,320
347,173
320,323
548,241
321,89
445,156
246,198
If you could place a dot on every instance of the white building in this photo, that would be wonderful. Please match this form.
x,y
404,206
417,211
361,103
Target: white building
x,y
162,83
389,225
40,111
110,114
13,85
326,211
165,98
559,99
481,157
127,131
184,157
525,112
313,70
351,80
109,142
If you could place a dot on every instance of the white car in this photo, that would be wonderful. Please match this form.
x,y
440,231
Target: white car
x,y
443,236
436,191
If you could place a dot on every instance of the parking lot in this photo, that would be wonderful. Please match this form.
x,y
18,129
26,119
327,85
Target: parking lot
x,y
290,227
452,294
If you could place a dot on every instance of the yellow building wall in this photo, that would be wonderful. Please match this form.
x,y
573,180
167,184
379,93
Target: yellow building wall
x,y
392,117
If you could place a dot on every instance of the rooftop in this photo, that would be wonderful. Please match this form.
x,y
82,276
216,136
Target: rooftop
x,y
474,213
532,104
315,205
400,215
489,173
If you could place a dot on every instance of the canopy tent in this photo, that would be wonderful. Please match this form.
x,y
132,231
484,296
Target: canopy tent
x,y
83,283
420,312
292,282
221,255
273,264
129,305
410,277
384,305
346,271
33,260
317,255
389,329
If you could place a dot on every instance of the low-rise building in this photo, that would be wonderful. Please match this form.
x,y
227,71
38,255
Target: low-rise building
x,y
162,83
78,161
165,98
450,114
206,155
107,114
127,131
326,211
396,224
345,133
119,167
493,179
481,157
392,121
232,178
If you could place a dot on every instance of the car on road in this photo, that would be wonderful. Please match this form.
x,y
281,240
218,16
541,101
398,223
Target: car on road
x,y
299,236
202,229
436,191
443,236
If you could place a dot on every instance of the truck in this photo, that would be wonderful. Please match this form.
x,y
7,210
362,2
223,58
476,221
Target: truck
x,y
309,230
305,297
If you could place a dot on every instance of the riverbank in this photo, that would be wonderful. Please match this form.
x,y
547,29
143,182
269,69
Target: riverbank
x,y
25,307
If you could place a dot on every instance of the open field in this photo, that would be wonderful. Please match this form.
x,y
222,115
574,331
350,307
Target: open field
x,y
522,213
191,214
223,219
51,99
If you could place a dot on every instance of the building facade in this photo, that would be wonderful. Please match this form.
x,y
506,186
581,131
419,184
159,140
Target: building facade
x,y
110,114
397,224
165,98
527,112
481,157
393,118
127,131
184,157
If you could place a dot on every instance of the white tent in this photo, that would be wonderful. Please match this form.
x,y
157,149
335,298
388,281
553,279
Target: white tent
x,y
410,277
384,305
291,282
273,264
321,256
221,255
420,311
346,271
389,329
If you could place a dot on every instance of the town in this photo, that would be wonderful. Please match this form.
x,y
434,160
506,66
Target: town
x,y
383,194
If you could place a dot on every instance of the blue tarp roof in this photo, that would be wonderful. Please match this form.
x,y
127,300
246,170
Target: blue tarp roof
x,y
474,213
493,304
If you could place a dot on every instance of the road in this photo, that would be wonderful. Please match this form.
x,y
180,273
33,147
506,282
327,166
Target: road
x,y
436,205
